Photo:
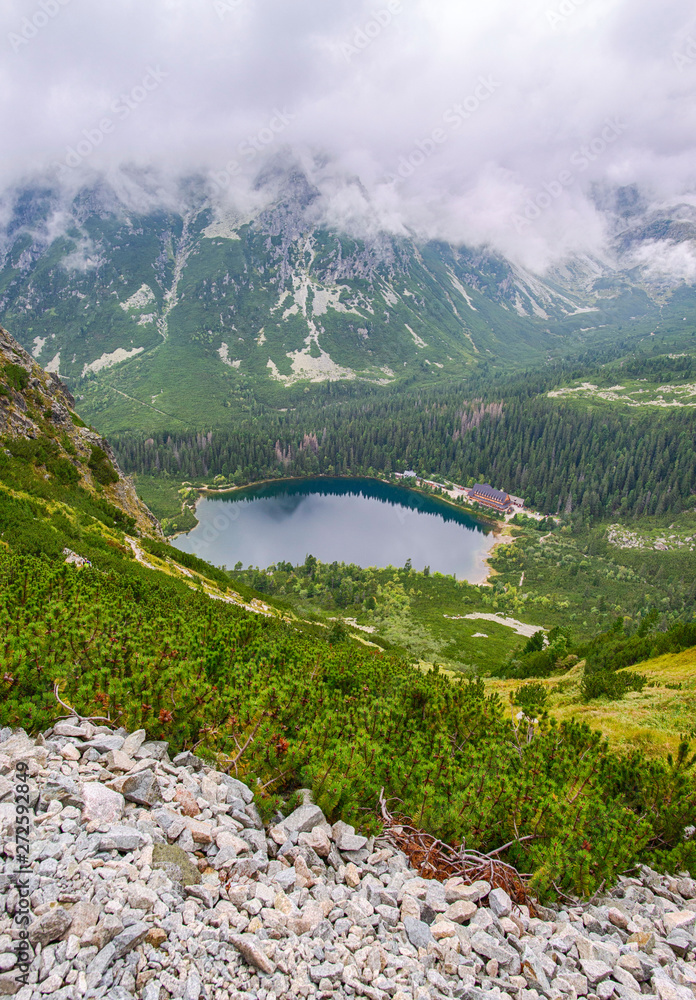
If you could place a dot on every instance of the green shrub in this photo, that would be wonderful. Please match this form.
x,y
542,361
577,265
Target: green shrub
x,y
63,470
101,468
610,684
531,698
16,377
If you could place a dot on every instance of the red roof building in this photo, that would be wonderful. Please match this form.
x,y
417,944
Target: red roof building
x,y
484,493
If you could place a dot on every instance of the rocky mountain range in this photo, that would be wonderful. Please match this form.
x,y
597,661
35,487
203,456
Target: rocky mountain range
x,y
135,305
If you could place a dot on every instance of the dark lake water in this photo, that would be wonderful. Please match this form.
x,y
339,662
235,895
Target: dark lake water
x,y
357,521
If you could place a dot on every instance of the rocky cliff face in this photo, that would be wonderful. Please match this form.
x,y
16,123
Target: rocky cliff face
x,y
36,405
141,300
134,875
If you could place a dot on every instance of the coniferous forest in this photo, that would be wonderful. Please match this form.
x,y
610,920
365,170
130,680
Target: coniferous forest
x,y
594,461
133,635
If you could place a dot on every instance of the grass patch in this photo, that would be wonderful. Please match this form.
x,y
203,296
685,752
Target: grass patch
x,y
651,720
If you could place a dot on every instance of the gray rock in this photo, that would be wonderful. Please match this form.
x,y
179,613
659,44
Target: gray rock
x,y
566,982
680,942
102,743
500,903
666,989
636,964
194,986
474,892
99,965
249,948
133,742
461,911
49,926
255,816
129,938
686,887
142,788
208,895
285,879
595,970
62,789
325,971
176,863
303,819
83,915
188,759
256,839
533,970
102,805
681,920
74,729
417,932
334,859
358,909
389,914
624,977
9,981
242,817
345,837
246,867
435,897
172,823
154,749
491,948
236,789
122,838
605,989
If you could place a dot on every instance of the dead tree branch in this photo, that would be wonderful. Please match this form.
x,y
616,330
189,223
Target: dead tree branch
x,y
433,859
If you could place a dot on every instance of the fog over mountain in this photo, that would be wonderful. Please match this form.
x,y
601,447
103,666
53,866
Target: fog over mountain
x,y
518,126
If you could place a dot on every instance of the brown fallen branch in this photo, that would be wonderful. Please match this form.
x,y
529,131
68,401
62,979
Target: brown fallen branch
x,y
434,859
74,714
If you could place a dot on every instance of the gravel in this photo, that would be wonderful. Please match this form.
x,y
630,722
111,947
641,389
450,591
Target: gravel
x,y
156,879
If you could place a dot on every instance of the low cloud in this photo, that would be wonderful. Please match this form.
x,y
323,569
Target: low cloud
x,y
481,124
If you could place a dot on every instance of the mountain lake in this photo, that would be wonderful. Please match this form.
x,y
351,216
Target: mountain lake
x,y
359,521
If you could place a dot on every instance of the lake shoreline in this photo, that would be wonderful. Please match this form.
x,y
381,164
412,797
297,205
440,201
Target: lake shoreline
x,y
211,491
484,522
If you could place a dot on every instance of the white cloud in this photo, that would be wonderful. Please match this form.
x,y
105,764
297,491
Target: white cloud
x,y
357,88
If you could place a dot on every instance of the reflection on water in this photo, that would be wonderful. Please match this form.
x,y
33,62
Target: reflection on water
x,y
344,520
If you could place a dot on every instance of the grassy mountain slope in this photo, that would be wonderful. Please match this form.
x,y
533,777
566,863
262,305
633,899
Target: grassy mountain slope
x,y
49,451
150,641
137,310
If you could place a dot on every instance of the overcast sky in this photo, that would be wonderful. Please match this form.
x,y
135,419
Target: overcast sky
x,y
477,122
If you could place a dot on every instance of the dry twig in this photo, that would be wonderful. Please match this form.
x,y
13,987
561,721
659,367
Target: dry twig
x,y
74,714
434,859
